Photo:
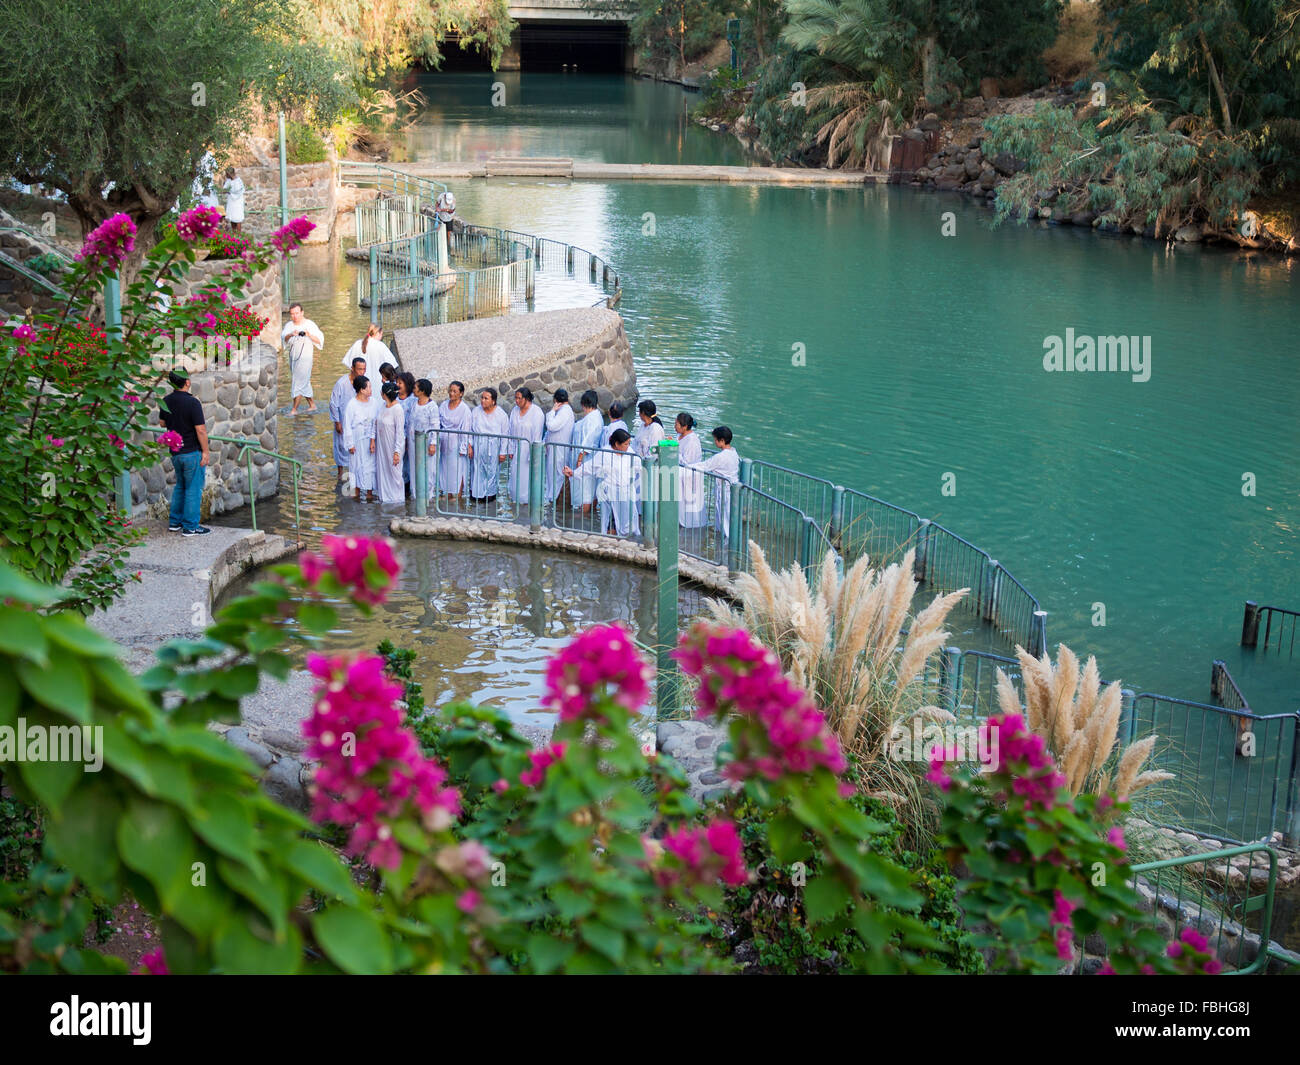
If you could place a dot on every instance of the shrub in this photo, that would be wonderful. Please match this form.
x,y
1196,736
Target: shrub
x,y
303,143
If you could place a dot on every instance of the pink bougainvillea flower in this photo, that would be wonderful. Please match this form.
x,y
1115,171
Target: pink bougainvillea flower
x,y
1063,926
372,772
154,963
198,223
468,901
288,237
600,663
703,854
55,441
739,675
541,761
116,441
1115,837
24,332
108,245
366,566
172,440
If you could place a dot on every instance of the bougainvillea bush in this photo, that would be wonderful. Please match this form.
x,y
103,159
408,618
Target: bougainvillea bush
x,y
66,377
447,844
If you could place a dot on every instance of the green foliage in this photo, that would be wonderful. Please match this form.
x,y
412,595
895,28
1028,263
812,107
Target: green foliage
x,y
667,33
303,143
724,94
114,102
20,837
785,128
46,263
1130,168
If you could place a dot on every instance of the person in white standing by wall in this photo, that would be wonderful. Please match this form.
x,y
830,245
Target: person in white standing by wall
x,y
559,431
340,398
234,199
301,338
725,465
692,509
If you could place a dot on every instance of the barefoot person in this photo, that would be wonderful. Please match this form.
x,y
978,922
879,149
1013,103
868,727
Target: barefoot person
x,y
301,337
342,395
617,479
487,450
453,413
390,446
359,438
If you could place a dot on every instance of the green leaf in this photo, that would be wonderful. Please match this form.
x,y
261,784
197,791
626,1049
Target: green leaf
x,y
824,897
608,941
269,893
569,904
155,841
353,939
237,949
317,618
65,690
72,633
225,823
81,833
320,868
785,836
548,952
22,635
237,681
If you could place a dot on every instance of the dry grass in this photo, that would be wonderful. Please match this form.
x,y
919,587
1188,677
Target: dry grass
x,y
843,643
1071,57
1080,724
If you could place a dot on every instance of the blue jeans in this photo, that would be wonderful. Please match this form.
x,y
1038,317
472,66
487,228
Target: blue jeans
x,y
189,489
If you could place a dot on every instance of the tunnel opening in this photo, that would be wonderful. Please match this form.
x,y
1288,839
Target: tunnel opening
x,y
592,49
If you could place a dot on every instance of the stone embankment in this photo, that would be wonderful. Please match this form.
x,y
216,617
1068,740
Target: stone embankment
x,y
577,349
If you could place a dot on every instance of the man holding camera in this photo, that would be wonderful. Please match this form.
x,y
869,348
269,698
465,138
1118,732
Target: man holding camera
x,y
301,339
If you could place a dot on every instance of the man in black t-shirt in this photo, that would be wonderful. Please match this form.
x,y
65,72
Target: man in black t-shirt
x,y
183,414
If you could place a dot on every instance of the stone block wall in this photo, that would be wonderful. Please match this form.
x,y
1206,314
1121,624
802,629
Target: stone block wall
x,y
19,294
238,400
604,364
311,193
262,294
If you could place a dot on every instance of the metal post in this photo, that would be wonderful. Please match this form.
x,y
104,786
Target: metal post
x,y
426,302
420,472
746,471
808,547
252,500
949,678
113,327
922,549
536,462
1040,633
992,587
666,686
735,540
649,501
1127,721
1250,625
469,297
284,177
835,528
568,258
374,283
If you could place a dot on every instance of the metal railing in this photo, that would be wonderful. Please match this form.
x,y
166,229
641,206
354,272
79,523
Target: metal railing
x,y
387,178
508,488
247,449
1281,627
1223,898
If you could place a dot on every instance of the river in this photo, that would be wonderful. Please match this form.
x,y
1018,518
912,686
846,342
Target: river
x,y
841,332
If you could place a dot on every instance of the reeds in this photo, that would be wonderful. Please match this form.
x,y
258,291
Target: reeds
x,y
1079,723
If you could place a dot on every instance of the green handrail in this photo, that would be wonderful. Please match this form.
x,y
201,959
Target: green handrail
x,y
248,449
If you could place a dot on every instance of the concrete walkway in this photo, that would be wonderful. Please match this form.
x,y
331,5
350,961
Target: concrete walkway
x,y
736,175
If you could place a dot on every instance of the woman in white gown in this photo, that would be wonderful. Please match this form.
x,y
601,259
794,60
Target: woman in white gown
x,y
390,446
528,423
370,347
359,438
691,507
234,199
616,412
588,434
406,400
617,477
453,413
725,466
559,432
425,419
649,432
487,449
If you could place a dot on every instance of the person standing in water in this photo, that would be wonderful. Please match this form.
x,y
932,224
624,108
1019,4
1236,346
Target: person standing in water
x,y
616,412
725,466
359,437
301,337
390,446
487,449
559,431
453,413
406,397
587,436
692,508
650,431
343,395
528,423
425,419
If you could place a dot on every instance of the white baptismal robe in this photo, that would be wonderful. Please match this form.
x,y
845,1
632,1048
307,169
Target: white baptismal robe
x,y
358,432
301,354
559,431
725,465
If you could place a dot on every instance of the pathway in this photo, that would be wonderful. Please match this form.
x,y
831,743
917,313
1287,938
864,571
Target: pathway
x,y
741,175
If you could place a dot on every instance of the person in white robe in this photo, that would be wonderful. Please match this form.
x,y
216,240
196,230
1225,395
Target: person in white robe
x,y
425,419
359,438
559,432
453,413
487,449
370,347
650,430
406,400
617,478
390,446
616,412
234,199
301,337
692,507
588,434
725,466
342,395
528,423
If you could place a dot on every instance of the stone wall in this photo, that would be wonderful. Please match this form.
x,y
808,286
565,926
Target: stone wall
x,y
311,193
19,294
261,295
239,400
577,349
